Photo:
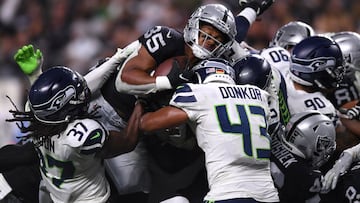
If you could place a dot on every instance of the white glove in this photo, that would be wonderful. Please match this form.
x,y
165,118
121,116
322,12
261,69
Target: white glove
x,y
124,53
354,112
98,76
340,167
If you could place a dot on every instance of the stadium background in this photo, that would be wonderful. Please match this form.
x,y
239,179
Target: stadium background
x,y
77,33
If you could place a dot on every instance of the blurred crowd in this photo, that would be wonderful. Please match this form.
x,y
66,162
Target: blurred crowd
x,y
79,33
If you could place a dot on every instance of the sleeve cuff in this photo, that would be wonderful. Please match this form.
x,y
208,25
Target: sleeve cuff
x,y
249,14
162,83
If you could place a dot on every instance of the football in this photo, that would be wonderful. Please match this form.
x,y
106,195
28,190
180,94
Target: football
x,y
349,104
165,67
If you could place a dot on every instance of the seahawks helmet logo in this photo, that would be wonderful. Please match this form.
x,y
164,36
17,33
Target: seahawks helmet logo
x,y
56,103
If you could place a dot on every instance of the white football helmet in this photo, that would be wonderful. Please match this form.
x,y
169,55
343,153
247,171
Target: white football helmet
x,y
214,70
292,33
217,16
310,135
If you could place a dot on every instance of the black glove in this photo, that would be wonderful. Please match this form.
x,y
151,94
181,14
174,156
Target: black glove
x,y
178,76
354,112
260,5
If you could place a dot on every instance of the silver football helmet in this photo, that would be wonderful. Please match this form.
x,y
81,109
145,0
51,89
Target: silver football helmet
x,y
310,135
349,43
217,16
292,33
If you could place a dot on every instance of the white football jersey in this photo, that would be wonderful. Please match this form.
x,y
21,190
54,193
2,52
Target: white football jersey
x,y
128,171
300,101
278,58
69,168
231,128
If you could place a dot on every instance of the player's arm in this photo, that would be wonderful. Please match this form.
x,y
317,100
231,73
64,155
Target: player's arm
x,y
166,117
157,45
251,10
340,167
97,77
29,61
124,141
134,76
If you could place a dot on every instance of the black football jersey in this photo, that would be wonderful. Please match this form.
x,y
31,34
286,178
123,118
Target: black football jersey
x,y
347,189
294,177
163,43
346,92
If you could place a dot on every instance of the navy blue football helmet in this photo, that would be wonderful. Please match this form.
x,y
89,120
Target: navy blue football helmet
x,y
253,70
59,95
317,61
213,70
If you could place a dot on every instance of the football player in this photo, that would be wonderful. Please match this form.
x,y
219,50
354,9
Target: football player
x,y
317,69
348,91
278,55
286,37
71,144
111,113
210,32
224,116
298,151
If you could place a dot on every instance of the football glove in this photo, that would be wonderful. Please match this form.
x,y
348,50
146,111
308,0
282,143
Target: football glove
x,y
178,76
340,167
258,5
354,112
28,60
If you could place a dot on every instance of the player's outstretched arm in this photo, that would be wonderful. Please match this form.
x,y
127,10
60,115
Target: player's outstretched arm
x,y
30,61
340,167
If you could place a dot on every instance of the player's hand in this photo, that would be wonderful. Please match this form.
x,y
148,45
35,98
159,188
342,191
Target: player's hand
x,y
258,5
352,113
340,167
122,54
178,76
28,59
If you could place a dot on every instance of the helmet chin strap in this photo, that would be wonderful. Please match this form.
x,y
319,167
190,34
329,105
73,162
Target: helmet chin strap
x,y
66,120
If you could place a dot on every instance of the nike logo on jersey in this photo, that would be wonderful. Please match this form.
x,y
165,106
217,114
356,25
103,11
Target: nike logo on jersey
x,y
183,78
168,35
95,136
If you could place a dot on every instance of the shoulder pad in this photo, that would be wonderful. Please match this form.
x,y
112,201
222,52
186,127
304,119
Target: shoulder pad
x,y
85,132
